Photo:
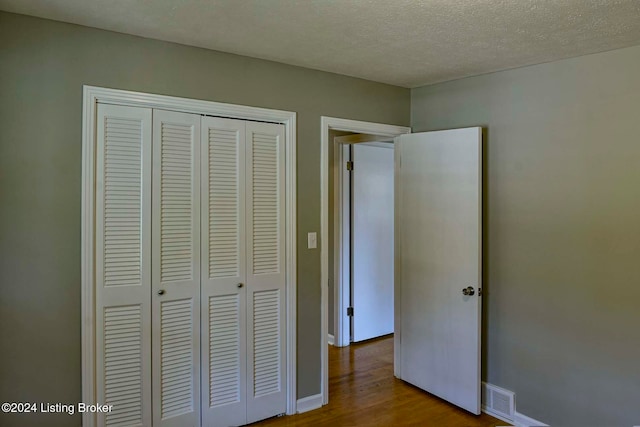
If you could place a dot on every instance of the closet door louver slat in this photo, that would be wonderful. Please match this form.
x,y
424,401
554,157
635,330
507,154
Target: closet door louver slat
x,y
224,356
266,342
123,274
176,269
177,357
123,365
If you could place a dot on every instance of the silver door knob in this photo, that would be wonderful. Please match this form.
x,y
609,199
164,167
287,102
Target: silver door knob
x,y
161,292
468,291
240,285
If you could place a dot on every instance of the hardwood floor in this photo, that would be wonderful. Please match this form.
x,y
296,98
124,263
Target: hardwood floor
x,y
364,392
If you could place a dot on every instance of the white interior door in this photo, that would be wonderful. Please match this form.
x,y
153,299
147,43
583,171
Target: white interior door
x,y
224,328
176,269
438,255
372,241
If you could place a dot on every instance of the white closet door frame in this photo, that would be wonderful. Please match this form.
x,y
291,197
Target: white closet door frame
x,y
91,97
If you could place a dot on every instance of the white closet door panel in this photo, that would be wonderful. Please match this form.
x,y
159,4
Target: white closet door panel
x,y
123,273
176,269
266,394
223,193
267,346
224,331
224,362
265,203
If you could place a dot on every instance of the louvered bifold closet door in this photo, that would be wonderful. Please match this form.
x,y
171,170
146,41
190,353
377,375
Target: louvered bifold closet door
x,y
123,265
265,160
223,274
176,269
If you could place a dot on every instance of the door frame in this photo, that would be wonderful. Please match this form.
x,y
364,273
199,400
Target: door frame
x,y
91,96
326,125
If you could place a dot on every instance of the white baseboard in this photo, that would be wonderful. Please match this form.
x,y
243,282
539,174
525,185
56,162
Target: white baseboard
x,y
523,421
331,340
309,403
496,415
518,420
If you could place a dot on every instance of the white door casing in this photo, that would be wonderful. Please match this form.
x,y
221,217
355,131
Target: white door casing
x,y
341,336
176,269
342,244
372,240
438,254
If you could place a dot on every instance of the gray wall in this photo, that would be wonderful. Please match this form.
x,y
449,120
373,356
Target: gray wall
x,y
43,65
562,230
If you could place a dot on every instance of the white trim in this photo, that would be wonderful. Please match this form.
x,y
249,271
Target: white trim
x,y
341,236
357,126
521,420
331,340
397,294
495,414
291,261
327,124
91,96
187,105
309,403
87,257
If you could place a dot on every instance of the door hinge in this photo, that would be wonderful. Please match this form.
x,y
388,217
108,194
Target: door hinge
x,y
349,165
349,311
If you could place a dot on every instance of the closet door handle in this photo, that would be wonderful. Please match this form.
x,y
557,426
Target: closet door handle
x,y
161,292
240,285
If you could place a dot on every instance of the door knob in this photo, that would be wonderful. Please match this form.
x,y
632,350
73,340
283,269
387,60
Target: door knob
x,y
161,292
240,285
468,291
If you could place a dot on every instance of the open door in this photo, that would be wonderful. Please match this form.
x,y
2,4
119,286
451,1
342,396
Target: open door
x,y
372,241
438,263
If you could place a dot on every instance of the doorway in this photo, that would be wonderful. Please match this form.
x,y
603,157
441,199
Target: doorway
x,y
338,275
438,181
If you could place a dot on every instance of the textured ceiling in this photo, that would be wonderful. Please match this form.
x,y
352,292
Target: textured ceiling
x,y
402,42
